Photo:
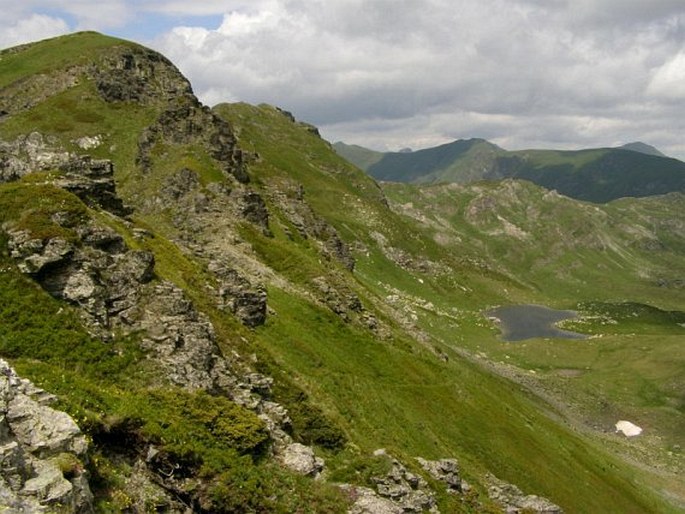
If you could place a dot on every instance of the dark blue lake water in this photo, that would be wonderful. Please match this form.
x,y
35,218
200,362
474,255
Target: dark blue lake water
x,y
519,322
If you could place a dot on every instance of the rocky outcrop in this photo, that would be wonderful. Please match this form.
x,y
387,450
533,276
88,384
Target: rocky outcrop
x,y
182,341
253,209
515,501
129,73
345,303
190,123
447,471
123,73
100,275
398,491
42,451
30,153
112,285
237,294
406,261
366,501
301,459
90,179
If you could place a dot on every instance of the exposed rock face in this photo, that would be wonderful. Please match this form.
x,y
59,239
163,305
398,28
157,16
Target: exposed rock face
x,y
102,276
125,72
515,501
112,286
254,210
129,73
193,123
366,501
90,179
29,153
344,303
41,451
398,491
237,294
445,470
301,459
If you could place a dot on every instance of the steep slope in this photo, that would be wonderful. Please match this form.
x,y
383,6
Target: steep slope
x,y
619,265
127,327
596,175
223,304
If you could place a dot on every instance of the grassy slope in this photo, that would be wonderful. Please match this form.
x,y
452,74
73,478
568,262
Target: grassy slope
x,y
393,393
53,55
633,366
459,161
598,175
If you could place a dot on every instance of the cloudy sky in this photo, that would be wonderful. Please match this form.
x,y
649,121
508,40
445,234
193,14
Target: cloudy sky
x,y
389,74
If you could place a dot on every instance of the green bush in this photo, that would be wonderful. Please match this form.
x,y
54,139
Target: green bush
x,y
183,420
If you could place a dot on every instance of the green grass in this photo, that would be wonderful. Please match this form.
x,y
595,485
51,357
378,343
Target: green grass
x,y
53,55
32,207
389,396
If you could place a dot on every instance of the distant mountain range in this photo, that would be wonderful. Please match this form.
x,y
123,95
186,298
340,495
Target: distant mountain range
x,y
596,175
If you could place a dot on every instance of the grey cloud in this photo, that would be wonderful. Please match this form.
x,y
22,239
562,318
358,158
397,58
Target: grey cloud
x,y
527,66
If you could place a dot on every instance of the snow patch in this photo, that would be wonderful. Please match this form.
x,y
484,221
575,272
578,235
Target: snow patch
x,y
629,429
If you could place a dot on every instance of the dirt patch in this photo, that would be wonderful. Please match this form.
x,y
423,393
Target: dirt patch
x,y
569,372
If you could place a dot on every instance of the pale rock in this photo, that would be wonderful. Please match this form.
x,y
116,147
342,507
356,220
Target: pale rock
x,y
515,501
301,459
88,142
33,437
445,470
366,501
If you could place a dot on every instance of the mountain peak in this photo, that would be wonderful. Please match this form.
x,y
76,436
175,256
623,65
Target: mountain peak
x,y
639,146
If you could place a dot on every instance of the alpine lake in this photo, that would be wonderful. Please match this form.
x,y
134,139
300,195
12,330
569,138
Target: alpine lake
x,y
520,322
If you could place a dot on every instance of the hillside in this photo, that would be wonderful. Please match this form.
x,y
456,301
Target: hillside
x,y
596,175
239,320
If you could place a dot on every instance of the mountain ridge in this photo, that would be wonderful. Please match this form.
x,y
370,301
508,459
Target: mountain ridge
x,y
597,175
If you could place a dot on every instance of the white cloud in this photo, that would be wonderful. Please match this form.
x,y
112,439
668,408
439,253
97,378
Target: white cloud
x,y
186,8
32,28
493,66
